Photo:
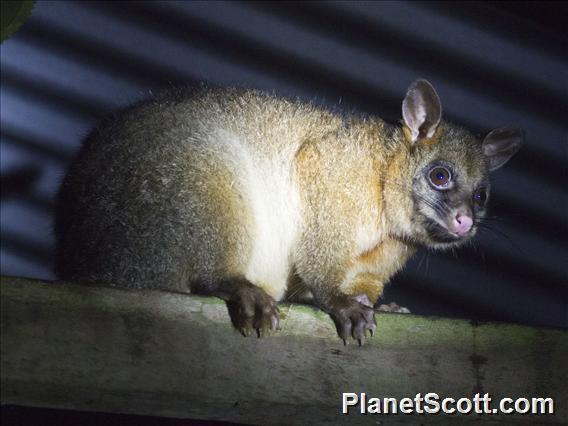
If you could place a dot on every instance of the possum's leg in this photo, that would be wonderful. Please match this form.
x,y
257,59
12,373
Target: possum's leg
x,y
352,314
220,232
250,307
326,248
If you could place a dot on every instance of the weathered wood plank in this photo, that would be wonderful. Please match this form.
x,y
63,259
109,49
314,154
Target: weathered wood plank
x,y
148,352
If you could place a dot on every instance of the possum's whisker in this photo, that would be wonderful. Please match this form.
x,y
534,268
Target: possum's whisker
x,y
491,219
499,233
294,293
421,260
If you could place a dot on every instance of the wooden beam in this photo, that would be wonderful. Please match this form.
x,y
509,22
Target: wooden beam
x,y
94,348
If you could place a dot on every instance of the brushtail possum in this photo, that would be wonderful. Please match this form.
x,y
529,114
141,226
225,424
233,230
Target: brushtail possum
x,y
257,199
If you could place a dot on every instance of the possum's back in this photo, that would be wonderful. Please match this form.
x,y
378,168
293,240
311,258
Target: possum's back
x,y
159,194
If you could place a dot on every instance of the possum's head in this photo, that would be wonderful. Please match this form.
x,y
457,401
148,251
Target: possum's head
x,y
450,169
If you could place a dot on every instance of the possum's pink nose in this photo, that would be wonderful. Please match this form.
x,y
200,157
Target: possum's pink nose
x,y
462,224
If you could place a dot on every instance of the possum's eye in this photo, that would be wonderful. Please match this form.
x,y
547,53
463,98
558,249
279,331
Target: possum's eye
x,y
480,196
440,177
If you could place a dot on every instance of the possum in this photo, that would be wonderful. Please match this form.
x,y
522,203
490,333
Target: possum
x,y
258,199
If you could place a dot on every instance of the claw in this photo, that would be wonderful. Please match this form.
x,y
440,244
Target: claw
x,y
275,323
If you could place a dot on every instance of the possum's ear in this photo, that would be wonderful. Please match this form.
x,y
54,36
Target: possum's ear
x,y
501,144
421,110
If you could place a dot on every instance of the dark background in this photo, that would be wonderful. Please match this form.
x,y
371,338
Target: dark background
x,y
493,64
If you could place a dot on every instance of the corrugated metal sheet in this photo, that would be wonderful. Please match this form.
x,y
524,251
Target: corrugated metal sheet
x,y
493,65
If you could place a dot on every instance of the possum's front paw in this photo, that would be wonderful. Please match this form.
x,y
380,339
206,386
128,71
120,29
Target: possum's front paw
x,y
353,316
250,308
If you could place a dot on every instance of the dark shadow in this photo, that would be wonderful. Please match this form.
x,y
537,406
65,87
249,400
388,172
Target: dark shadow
x,y
26,249
517,269
20,182
502,20
541,167
530,219
424,297
50,150
23,416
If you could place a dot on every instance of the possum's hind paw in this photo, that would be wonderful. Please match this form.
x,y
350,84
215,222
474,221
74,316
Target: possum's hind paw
x,y
393,307
252,310
353,317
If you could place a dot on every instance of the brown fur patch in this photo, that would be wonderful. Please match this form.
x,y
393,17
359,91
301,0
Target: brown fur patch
x,y
374,268
369,284
371,256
